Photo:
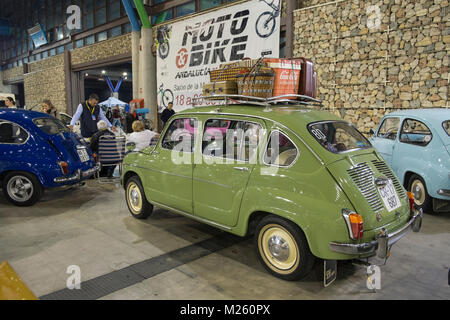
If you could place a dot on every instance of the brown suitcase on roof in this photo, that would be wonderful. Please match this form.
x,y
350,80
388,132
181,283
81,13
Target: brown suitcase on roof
x,y
307,82
220,87
315,84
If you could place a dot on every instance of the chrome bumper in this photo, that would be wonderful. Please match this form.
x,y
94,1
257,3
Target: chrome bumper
x,y
78,175
383,240
444,192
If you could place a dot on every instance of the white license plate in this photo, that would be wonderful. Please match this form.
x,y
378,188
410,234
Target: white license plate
x,y
82,153
389,196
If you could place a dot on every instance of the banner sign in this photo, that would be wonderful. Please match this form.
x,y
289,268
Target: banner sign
x,y
37,34
189,49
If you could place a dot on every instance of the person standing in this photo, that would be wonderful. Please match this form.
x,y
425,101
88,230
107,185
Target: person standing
x,y
109,114
167,113
10,103
49,108
89,113
129,119
116,117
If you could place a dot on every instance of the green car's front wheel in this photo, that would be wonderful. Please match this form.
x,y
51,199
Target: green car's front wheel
x,y
137,203
282,248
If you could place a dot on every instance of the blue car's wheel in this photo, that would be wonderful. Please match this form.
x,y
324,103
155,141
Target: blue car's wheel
x,y
22,188
421,198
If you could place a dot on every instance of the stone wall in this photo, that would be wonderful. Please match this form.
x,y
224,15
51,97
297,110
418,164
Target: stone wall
x,y
13,74
3,87
102,50
46,80
369,65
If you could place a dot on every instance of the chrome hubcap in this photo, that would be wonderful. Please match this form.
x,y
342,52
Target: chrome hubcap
x,y
418,190
279,248
134,197
20,189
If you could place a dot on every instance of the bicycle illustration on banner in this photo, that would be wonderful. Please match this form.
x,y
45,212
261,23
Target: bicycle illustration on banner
x,y
265,25
166,97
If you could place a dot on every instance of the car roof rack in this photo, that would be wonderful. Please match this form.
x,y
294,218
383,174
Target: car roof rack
x,y
292,100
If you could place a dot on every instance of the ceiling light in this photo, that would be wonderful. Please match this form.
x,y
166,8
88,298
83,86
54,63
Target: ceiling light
x,y
103,72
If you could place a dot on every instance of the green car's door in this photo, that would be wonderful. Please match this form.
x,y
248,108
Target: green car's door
x,y
229,155
170,182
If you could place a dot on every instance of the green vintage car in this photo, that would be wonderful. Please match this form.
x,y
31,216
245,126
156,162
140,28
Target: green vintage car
x,y
305,182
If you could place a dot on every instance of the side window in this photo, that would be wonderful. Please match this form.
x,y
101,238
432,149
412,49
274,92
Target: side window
x,y
65,119
446,126
389,129
12,133
281,151
230,139
180,136
415,132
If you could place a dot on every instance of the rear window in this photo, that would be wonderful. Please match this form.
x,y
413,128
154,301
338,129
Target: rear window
x,y
338,136
446,126
50,126
415,132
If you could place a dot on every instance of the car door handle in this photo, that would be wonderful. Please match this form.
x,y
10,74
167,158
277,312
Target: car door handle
x,y
241,168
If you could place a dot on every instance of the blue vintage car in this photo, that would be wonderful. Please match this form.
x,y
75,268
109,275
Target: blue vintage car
x,y
38,152
416,144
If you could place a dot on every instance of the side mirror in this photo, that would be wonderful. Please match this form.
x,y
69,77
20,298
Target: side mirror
x,y
131,146
372,132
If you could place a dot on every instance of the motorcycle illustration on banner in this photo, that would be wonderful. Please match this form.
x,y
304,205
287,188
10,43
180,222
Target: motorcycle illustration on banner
x,y
163,37
189,49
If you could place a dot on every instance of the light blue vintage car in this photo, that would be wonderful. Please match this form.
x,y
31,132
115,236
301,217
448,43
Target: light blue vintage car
x,y
416,144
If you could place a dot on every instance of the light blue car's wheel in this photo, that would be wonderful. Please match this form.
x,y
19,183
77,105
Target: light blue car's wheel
x,y
421,198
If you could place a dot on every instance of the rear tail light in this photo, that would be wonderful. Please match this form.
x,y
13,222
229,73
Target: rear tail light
x,y
411,201
64,167
95,157
355,224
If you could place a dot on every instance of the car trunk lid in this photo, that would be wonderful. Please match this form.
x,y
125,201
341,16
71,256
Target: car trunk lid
x,y
371,186
68,146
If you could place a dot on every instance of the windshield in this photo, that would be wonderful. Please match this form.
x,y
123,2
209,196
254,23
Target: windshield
x,y
50,126
338,136
446,126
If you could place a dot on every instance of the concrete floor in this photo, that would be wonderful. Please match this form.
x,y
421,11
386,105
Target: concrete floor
x,y
91,227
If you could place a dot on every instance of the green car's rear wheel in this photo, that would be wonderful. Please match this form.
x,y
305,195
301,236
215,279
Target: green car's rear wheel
x,y
137,203
283,249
